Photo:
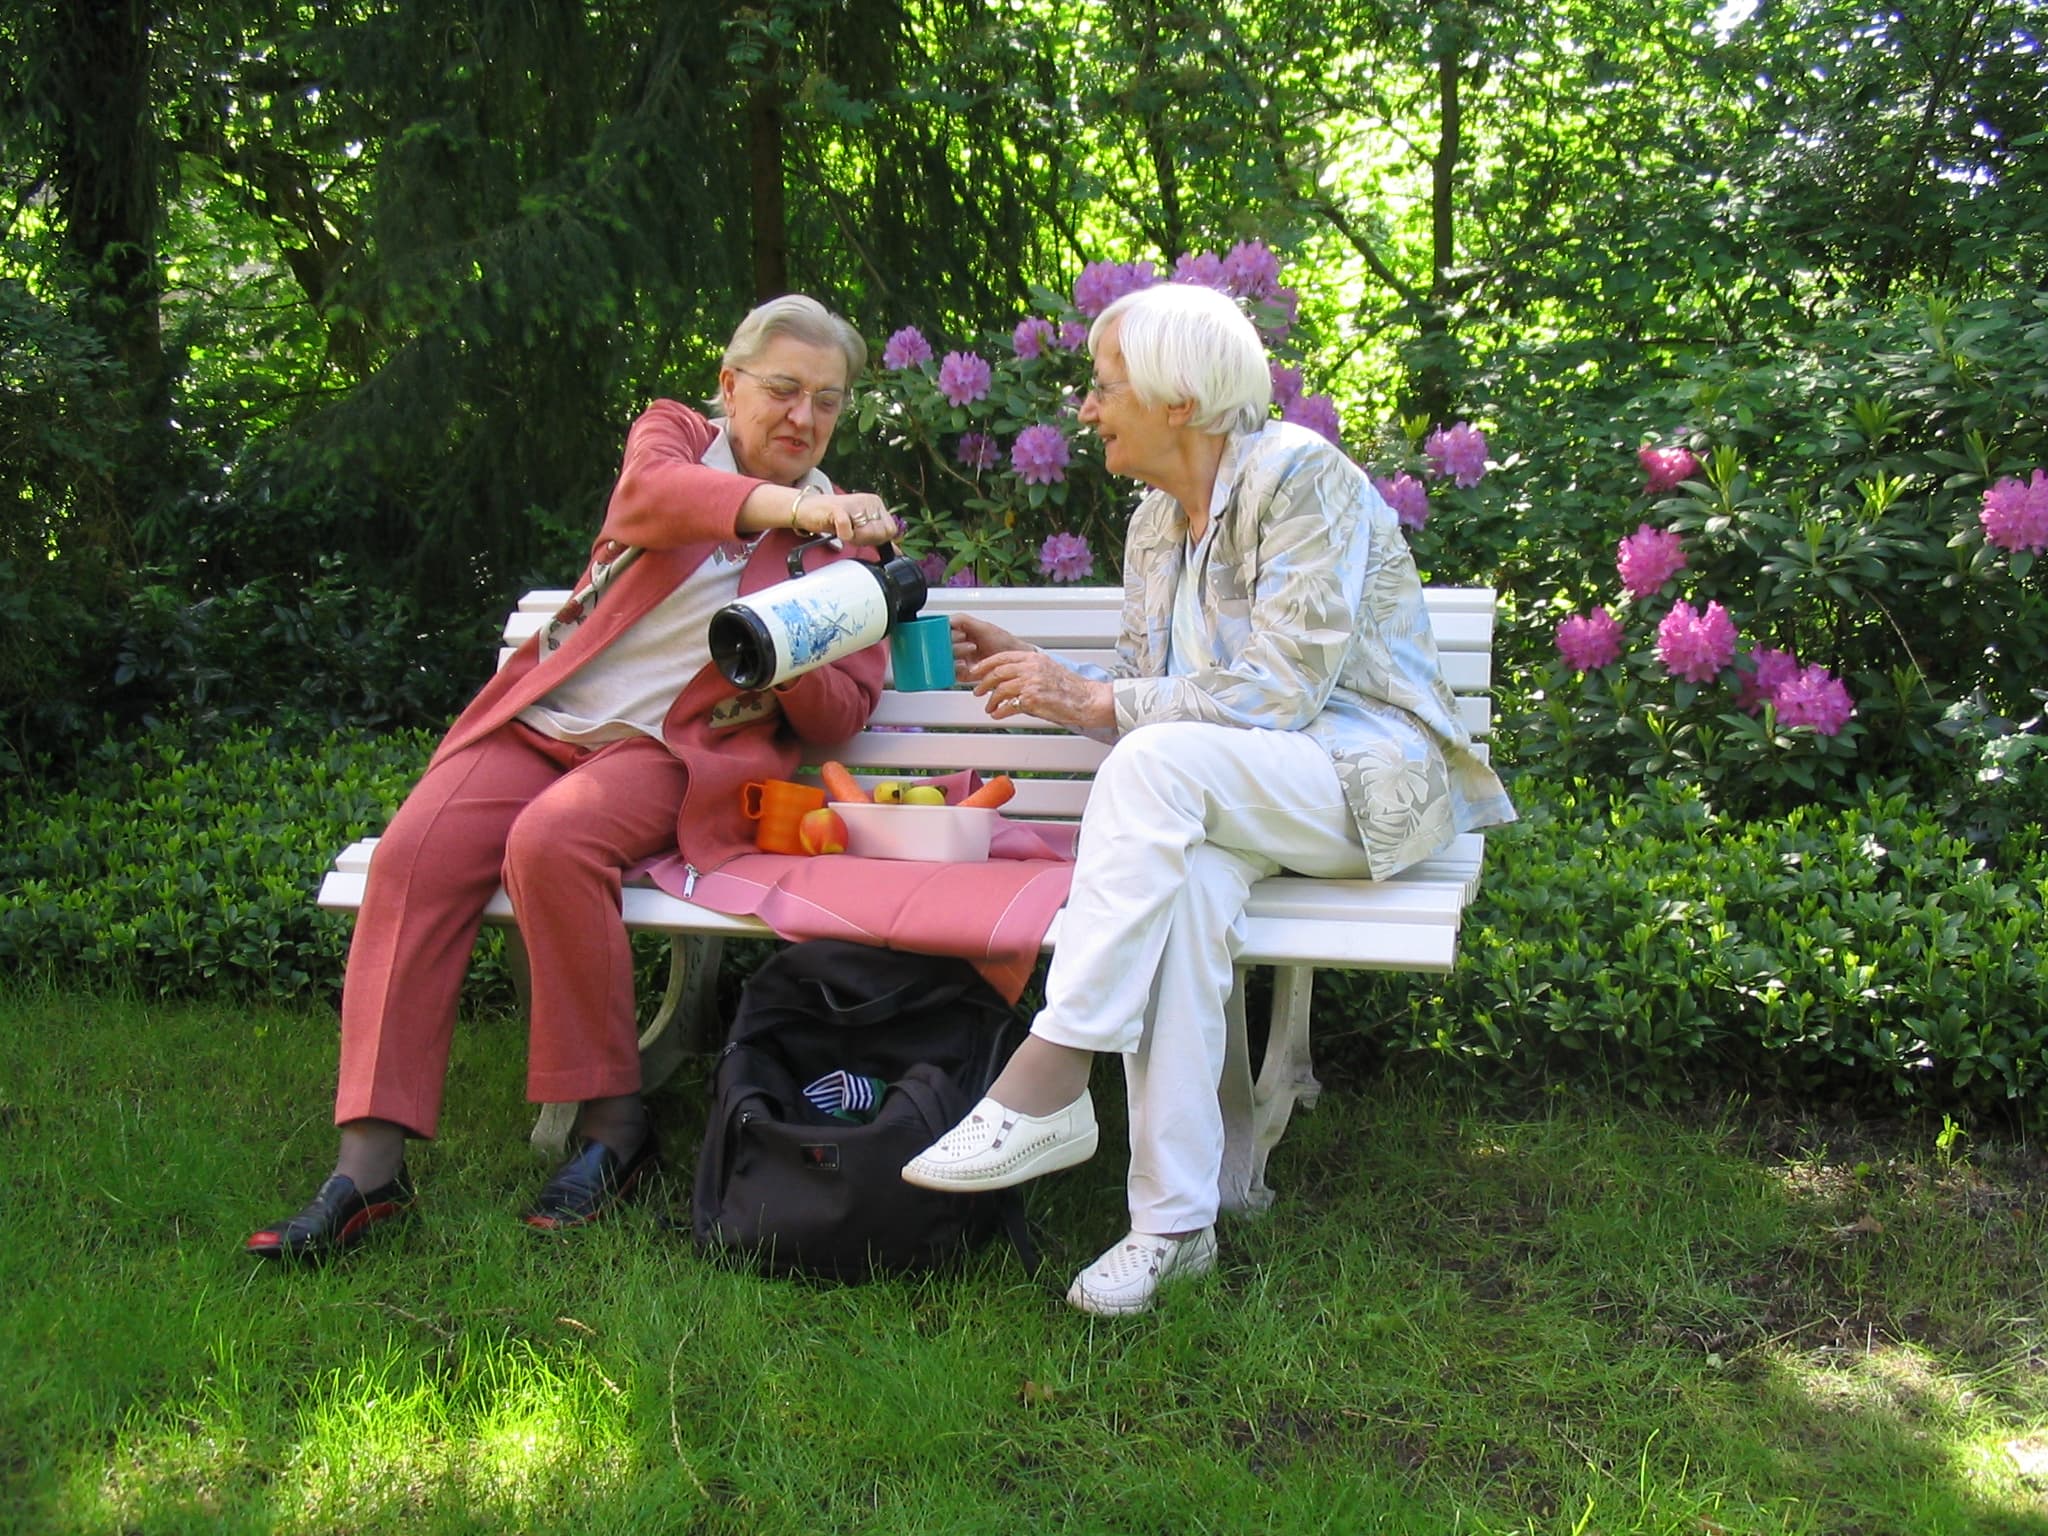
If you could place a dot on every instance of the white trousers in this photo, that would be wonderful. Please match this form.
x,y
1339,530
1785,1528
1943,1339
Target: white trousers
x,y
1183,817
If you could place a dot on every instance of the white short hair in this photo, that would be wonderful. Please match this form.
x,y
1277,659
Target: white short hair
x,y
1184,343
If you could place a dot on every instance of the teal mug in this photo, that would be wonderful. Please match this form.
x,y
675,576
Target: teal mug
x,y
921,653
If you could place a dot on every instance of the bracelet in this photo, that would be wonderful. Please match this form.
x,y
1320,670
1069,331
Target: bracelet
x,y
801,493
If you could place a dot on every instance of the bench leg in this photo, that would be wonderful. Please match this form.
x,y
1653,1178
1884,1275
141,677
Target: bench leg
x,y
1256,1113
1240,1187
681,1024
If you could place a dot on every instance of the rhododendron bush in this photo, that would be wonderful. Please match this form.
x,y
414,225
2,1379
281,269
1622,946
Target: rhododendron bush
x,y
1818,577
1000,482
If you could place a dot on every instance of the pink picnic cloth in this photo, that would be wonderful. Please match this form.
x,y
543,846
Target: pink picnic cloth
x,y
993,914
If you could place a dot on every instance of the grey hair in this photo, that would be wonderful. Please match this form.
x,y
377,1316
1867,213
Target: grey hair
x,y
1184,343
800,318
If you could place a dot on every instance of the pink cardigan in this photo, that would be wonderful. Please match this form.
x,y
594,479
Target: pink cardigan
x,y
677,510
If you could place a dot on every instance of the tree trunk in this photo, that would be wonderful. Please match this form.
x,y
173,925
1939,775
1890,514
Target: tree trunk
x,y
769,202
108,161
1433,378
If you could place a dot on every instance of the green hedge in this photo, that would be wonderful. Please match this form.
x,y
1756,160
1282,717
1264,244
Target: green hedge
x,y
1863,953
180,872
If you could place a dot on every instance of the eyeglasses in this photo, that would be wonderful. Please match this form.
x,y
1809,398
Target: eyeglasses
x,y
784,390
1104,389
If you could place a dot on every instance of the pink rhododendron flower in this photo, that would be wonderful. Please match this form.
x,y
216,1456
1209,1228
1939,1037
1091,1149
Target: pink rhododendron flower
x,y
1066,557
1696,646
978,450
1206,270
1666,467
1251,270
1590,641
1814,696
1031,336
2015,514
1647,559
1459,452
1318,413
1102,283
906,349
1040,455
963,378
1408,496
1769,671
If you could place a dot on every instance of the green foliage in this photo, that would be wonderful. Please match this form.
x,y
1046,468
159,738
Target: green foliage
x,y
305,663
182,871
1862,954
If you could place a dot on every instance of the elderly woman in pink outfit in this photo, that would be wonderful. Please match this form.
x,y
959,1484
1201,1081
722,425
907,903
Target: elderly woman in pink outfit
x,y
1276,703
607,740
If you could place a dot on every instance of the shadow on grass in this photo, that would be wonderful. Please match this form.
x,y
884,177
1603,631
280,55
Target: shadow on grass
x,y
1566,1316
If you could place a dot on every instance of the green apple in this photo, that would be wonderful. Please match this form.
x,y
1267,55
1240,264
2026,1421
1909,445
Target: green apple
x,y
923,794
889,792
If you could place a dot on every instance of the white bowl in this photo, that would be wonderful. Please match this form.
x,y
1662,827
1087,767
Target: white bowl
x,y
944,834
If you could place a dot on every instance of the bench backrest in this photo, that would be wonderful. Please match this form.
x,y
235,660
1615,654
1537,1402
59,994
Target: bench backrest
x,y
913,734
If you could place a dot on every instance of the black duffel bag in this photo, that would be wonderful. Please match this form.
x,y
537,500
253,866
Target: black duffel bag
x,y
843,1062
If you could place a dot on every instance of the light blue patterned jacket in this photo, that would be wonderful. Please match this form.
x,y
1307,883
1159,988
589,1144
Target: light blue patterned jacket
x,y
1316,623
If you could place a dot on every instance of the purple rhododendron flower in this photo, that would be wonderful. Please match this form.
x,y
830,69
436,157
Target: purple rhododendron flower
x,y
1251,271
978,450
933,569
1066,557
1590,641
1073,334
1459,452
1696,646
1408,496
2015,514
1666,467
1276,314
1031,336
1318,413
1102,283
906,349
1040,455
1205,270
1814,696
1769,671
963,378
1286,384
1647,559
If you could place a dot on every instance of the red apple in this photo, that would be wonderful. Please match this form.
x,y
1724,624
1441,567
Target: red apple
x,y
822,831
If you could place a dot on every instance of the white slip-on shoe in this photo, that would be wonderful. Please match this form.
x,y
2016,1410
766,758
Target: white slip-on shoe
x,y
995,1147
1126,1278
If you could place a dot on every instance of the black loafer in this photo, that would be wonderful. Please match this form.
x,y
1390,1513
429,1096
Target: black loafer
x,y
587,1187
338,1218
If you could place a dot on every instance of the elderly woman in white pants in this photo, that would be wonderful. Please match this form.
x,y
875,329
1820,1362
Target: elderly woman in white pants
x,y
1276,705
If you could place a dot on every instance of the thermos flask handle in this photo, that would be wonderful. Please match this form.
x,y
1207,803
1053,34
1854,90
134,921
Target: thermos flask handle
x,y
885,552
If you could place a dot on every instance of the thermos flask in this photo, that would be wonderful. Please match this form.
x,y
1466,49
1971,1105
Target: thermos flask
x,y
785,630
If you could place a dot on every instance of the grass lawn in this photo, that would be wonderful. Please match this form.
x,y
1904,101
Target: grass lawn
x,y
1571,1316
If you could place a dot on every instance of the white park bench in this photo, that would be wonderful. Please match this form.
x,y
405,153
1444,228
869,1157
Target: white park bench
x,y
1295,924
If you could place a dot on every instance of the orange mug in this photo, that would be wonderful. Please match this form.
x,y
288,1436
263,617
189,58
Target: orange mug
x,y
777,806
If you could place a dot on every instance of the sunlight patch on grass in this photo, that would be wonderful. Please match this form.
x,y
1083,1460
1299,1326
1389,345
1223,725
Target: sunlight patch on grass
x,y
494,1430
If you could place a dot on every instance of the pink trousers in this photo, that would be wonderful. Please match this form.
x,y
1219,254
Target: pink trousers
x,y
559,825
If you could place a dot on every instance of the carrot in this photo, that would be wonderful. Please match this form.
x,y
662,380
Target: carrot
x,y
841,785
995,792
